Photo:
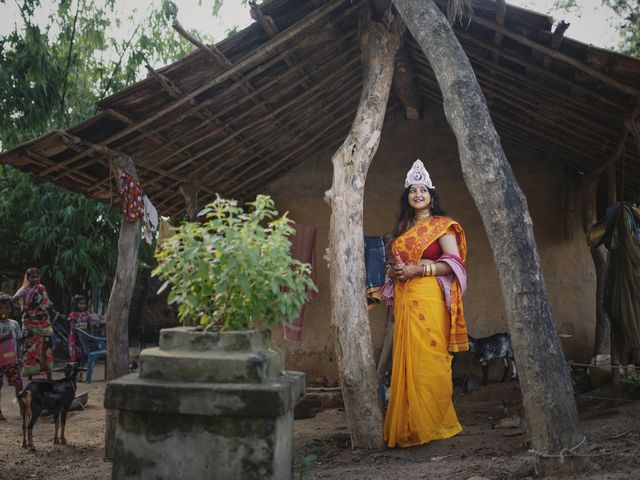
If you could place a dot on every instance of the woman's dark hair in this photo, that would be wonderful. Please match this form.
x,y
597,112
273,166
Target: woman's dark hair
x,y
407,212
30,271
76,300
5,299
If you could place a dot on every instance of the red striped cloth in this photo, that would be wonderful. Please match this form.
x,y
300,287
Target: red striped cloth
x,y
303,248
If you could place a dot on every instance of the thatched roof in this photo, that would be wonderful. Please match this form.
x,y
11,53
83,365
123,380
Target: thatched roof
x,y
236,115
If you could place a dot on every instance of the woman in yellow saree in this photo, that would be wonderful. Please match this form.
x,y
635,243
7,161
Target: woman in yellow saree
x,y
429,279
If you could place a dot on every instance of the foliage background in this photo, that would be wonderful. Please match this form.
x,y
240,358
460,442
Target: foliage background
x,y
51,77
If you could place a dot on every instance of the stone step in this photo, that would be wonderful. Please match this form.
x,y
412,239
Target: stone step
x,y
211,366
194,339
269,399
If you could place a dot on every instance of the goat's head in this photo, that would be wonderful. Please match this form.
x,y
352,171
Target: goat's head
x,y
473,344
71,370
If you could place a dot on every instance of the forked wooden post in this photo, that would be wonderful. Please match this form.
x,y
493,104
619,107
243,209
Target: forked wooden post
x,y
119,301
552,417
349,318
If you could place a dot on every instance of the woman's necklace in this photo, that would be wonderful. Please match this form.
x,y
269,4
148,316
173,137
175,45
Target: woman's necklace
x,y
419,218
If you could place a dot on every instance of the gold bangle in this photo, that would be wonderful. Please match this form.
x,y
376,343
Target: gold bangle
x,y
424,270
433,269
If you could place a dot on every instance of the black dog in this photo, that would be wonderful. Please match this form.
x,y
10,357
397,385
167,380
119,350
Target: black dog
x,y
50,396
496,346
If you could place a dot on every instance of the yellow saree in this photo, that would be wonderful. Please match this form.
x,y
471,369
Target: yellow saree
x,y
421,408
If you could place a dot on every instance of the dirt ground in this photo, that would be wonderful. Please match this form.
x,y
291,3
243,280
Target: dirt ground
x,y
611,424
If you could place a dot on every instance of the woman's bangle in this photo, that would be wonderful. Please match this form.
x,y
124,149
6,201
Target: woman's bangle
x,y
432,269
424,270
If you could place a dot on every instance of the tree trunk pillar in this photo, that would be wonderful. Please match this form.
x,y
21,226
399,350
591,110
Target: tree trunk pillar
x,y
599,255
544,377
349,317
117,317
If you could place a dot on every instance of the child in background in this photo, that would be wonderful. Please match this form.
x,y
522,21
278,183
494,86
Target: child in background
x,y
80,317
10,335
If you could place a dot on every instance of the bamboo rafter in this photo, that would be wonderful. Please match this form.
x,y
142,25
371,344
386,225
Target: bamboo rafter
x,y
554,54
305,122
257,55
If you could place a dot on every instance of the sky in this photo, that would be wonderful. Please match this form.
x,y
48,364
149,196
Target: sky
x,y
192,14
592,23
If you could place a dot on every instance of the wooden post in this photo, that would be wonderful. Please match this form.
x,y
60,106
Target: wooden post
x,y
588,192
612,198
190,194
404,84
349,318
547,392
117,317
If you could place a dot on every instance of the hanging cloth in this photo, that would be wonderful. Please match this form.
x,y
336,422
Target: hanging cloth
x,y
303,248
132,204
150,220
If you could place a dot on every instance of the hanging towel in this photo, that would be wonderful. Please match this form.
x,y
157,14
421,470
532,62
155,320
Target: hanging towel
x,y
149,219
303,248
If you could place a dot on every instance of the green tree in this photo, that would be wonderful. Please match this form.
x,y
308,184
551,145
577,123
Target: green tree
x,y
629,10
629,13
51,77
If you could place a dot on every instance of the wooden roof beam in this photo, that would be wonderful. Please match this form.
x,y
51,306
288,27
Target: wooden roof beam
x,y
305,122
105,151
554,54
536,88
259,54
301,118
43,161
219,113
268,24
98,184
523,137
632,122
254,127
204,113
303,99
556,40
501,15
630,126
404,85
519,99
220,60
156,138
274,165
338,62
534,68
539,130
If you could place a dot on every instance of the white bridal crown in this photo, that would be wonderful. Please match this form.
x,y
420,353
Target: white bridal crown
x,y
418,174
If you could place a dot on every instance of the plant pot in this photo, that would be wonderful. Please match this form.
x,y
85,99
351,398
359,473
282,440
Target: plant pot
x,y
206,405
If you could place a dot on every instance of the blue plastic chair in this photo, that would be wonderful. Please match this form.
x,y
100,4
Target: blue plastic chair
x,y
60,333
94,348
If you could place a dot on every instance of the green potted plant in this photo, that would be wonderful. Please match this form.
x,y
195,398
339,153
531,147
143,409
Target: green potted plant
x,y
218,385
233,271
